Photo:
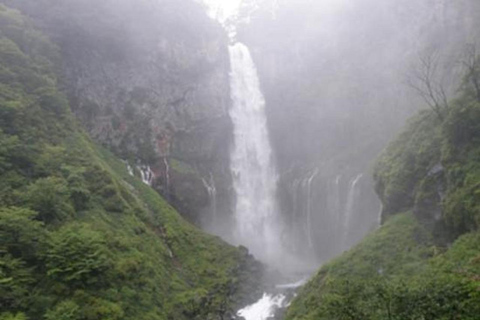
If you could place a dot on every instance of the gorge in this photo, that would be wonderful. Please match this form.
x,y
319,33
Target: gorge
x,y
247,160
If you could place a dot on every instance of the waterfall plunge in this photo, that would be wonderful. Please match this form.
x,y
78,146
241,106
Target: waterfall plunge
x,y
254,174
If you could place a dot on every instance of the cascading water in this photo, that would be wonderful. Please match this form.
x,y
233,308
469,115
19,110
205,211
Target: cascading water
x,y
257,220
254,174
146,174
349,210
309,208
212,195
167,175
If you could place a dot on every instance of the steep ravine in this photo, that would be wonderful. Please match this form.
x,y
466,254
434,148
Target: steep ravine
x,y
80,237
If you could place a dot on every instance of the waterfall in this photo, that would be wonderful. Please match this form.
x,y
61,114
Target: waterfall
x,y
350,207
309,207
380,212
146,174
263,309
254,174
129,168
212,195
337,202
167,176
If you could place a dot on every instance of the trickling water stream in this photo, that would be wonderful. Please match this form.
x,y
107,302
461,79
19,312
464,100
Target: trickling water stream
x,y
212,195
146,174
309,208
254,174
349,210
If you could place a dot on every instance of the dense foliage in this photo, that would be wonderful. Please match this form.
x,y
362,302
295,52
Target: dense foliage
x,y
433,167
396,273
425,263
79,237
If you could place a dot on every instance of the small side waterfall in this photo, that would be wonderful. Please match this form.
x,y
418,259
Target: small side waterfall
x,y
212,195
167,174
146,174
309,207
350,208
380,212
254,174
129,168
337,202
328,213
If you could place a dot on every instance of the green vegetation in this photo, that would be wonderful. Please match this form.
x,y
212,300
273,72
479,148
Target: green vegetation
x,y
396,273
424,262
433,167
79,237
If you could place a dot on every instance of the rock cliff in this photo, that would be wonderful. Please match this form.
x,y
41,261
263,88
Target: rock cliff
x,y
149,80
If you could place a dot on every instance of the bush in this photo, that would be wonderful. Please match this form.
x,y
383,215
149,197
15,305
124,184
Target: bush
x,y
78,257
50,197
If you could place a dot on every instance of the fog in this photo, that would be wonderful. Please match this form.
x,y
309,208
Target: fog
x,y
339,80
331,82
260,120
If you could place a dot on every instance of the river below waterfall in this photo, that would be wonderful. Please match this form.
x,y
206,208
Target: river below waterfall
x,y
272,303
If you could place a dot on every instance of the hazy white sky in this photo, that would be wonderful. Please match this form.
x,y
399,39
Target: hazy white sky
x,y
222,9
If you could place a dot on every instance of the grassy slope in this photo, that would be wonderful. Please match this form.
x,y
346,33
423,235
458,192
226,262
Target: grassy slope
x,y
396,273
79,237
423,264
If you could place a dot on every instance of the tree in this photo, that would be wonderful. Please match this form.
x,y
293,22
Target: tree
x,y
78,257
21,237
471,63
425,79
50,197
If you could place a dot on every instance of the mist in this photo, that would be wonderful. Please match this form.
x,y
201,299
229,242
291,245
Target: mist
x,y
271,139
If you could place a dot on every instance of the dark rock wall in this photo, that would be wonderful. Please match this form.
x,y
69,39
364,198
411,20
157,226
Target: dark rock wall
x,y
149,79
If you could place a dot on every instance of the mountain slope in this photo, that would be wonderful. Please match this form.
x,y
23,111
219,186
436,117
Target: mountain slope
x,y
79,237
149,80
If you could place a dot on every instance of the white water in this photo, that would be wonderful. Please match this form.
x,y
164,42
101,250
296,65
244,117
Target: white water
x,y
293,285
380,215
254,174
262,309
167,175
212,195
309,208
129,168
337,204
146,174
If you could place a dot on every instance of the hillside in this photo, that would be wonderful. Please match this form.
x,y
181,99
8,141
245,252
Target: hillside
x,y
424,262
149,80
81,238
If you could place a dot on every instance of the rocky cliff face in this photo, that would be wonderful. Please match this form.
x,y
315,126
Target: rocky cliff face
x,y
150,81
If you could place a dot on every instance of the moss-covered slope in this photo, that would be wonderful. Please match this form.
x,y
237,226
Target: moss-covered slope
x,y
424,262
396,273
79,237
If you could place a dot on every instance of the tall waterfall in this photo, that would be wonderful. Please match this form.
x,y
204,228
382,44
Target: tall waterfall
x,y
254,174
